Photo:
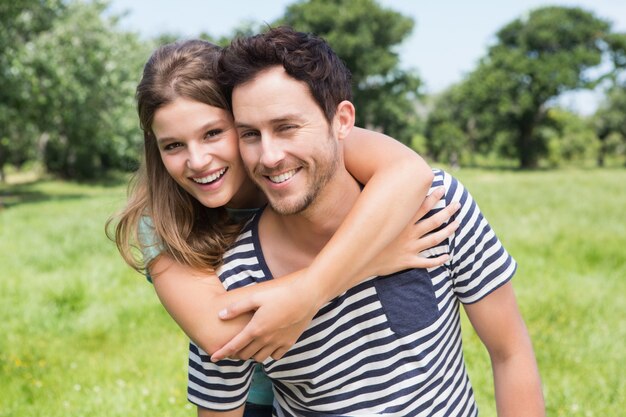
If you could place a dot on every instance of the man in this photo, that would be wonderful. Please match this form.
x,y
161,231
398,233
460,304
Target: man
x,y
387,346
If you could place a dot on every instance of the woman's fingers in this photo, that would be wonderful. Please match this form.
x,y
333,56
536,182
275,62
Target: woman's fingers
x,y
433,239
425,226
236,345
279,353
429,202
423,263
264,353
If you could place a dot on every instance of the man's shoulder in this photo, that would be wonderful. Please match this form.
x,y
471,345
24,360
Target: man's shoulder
x,y
441,177
444,179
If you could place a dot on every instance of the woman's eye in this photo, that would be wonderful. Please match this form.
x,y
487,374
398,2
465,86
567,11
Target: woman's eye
x,y
172,146
212,133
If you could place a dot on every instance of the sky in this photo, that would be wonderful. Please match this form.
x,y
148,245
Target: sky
x,y
448,39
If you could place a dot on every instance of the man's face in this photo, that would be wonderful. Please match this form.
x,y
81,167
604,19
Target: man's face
x,y
285,141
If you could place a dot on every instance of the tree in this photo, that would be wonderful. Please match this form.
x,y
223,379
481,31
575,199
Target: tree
x,y
536,58
364,35
569,138
447,141
610,118
610,123
81,75
20,22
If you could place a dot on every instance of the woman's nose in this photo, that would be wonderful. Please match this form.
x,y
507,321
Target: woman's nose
x,y
198,158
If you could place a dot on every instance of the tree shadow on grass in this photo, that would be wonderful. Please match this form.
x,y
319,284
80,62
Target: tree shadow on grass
x,y
26,193
109,180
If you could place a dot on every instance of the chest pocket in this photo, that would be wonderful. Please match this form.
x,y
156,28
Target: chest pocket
x,y
408,299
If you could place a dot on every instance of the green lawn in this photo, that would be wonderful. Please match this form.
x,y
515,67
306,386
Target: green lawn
x,y
83,335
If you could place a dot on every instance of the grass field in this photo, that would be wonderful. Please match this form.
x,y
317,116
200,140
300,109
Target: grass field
x,y
83,335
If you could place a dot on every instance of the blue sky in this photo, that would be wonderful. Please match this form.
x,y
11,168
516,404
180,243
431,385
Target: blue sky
x,y
448,39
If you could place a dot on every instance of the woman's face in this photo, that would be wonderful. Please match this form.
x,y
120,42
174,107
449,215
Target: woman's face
x,y
199,148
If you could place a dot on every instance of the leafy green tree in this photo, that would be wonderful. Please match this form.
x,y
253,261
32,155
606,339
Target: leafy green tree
x,y
610,119
569,138
81,75
20,22
365,36
536,58
610,123
447,141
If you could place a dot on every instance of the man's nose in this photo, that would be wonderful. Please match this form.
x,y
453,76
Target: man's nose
x,y
272,152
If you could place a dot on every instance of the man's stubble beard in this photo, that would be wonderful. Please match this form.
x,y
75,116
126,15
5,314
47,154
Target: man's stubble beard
x,y
316,182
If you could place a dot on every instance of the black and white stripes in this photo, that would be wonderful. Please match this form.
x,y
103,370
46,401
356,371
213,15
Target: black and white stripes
x,y
390,346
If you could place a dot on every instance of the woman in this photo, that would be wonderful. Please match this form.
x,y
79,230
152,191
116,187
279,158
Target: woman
x,y
192,184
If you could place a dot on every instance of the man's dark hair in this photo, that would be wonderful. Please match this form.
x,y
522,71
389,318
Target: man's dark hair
x,y
304,56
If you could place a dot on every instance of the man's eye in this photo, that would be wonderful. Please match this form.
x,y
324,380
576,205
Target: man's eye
x,y
248,134
284,128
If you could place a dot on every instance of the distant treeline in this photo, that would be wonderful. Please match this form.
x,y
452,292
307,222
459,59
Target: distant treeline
x,y
68,75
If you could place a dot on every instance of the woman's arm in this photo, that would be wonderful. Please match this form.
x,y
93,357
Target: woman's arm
x,y
194,299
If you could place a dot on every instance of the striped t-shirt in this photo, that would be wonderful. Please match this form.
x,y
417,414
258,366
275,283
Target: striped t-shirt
x,y
389,346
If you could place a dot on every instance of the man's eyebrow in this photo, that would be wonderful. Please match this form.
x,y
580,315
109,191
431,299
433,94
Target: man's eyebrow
x,y
242,125
282,119
287,118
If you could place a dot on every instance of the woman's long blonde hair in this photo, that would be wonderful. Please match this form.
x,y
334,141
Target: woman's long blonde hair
x,y
191,233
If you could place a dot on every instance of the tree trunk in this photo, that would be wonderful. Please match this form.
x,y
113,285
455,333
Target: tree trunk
x,y
528,144
601,151
3,160
471,135
526,149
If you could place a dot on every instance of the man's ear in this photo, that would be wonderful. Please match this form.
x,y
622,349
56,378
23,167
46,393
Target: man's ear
x,y
344,119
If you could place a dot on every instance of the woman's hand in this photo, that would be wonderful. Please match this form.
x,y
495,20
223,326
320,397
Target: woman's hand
x,y
408,250
282,313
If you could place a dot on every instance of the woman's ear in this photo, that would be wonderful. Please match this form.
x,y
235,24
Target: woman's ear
x,y
344,119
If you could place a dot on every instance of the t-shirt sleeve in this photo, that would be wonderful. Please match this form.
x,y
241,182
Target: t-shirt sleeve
x,y
479,263
149,243
219,386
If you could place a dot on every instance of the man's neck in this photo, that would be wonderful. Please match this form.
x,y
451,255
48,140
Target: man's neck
x,y
291,242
